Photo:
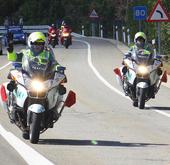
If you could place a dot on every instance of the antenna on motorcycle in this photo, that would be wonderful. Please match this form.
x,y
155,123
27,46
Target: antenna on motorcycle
x,y
164,77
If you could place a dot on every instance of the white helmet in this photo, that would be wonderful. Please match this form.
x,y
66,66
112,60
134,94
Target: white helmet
x,y
36,37
36,42
140,35
140,39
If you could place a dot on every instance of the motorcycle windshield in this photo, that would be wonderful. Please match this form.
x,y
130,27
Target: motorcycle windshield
x,y
143,57
37,68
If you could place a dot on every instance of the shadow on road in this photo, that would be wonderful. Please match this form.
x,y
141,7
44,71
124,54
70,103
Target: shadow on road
x,y
159,108
93,143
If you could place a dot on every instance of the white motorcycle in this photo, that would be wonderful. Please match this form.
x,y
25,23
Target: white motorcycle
x,y
140,77
34,97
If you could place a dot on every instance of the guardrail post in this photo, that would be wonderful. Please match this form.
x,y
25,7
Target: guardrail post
x,y
101,31
128,36
123,34
117,35
82,30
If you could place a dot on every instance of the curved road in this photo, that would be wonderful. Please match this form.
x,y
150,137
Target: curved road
x,y
103,127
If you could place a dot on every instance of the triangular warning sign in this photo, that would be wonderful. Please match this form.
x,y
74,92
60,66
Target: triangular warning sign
x,y
158,14
93,14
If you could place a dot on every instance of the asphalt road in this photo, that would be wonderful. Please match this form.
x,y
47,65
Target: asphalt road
x,y
103,128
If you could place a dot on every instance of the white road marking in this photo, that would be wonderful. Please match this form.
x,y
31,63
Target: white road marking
x,y
107,83
28,154
3,67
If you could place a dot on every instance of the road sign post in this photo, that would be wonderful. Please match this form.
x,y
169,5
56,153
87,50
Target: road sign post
x,y
159,14
94,17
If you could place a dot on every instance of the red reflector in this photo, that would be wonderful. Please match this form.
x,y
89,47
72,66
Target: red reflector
x,y
3,93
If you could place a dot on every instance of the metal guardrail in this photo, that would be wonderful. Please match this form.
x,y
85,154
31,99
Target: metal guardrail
x,y
29,29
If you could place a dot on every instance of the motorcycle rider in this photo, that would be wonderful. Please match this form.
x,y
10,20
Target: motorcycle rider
x,y
36,47
62,25
65,28
52,28
140,42
10,38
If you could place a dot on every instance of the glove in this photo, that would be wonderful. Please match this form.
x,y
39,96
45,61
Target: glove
x,y
158,57
10,49
61,69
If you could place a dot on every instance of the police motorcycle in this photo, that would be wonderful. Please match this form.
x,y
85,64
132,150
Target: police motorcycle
x,y
34,98
140,77
53,38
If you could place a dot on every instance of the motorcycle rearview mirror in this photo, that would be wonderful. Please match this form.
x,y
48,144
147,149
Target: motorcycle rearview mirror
x,y
71,99
164,77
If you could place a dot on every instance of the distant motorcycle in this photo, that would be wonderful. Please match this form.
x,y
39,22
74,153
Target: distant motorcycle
x,y
34,97
66,38
140,77
53,38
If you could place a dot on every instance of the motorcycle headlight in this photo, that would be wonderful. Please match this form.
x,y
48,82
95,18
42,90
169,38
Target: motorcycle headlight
x,y
37,85
53,35
142,69
65,34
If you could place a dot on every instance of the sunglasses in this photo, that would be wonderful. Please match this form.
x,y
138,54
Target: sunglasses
x,y
38,43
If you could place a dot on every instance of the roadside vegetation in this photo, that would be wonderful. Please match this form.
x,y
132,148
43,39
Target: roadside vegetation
x,y
76,13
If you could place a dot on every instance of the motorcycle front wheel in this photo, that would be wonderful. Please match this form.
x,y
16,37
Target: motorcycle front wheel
x,y
34,132
141,98
66,44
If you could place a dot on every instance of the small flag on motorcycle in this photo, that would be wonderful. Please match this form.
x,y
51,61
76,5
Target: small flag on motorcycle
x,y
71,99
117,72
3,93
164,77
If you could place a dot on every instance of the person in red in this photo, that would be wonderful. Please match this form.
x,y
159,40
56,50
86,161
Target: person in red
x,y
51,30
65,27
65,30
